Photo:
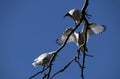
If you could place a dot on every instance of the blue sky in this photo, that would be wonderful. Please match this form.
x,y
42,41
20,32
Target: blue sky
x,y
29,28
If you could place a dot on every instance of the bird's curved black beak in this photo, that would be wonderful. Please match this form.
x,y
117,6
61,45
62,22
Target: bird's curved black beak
x,y
67,14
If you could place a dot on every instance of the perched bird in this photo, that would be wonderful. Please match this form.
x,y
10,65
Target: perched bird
x,y
75,14
44,59
79,37
93,29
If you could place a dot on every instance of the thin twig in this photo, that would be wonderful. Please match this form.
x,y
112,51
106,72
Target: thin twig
x,y
65,67
40,72
78,63
45,75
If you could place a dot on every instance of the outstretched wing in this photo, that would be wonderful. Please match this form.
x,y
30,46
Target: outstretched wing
x,y
60,40
94,29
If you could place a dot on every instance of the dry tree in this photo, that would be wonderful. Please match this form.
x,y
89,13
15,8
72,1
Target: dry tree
x,y
81,38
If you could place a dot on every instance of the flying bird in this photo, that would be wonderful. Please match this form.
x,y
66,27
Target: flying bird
x,y
75,14
79,37
44,59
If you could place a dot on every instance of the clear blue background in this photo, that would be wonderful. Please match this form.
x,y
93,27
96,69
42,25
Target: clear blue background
x,y
29,28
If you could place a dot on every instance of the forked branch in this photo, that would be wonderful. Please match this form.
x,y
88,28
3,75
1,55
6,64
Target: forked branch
x,y
49,68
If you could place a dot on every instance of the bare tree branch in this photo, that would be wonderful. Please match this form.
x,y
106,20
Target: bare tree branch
x,y
86,24
65,67
50,68
84,52
74,28
77,61
47,75
83,10
40,72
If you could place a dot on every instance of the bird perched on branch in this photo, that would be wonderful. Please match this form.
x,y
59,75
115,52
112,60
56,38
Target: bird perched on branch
x,y
79,37
44,59
75,14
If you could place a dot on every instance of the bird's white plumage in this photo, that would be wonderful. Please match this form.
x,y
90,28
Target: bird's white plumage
x,y
79,38
43,59
76,15
72,38
97,28
71,11
94,29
